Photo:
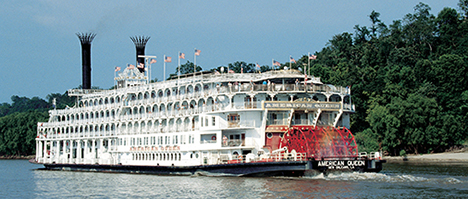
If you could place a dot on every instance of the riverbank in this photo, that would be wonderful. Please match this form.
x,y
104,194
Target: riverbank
x,y
454,156
15,157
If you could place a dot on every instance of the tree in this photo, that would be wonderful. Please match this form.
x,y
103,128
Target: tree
x,y
18,132
374,17
463,6
186,68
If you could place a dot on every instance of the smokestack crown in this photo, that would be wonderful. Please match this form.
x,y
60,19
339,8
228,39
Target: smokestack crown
x,y
140,41
86,38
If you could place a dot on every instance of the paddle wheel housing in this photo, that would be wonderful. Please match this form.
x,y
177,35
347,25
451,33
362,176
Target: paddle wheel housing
x,y
320,142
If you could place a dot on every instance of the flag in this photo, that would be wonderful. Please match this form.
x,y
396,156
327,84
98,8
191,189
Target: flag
x,y
181,55
167,59
130,66
276,63
117,68
258,66
141,65
216,72
231,71
197,52
312,57
153,61
291,59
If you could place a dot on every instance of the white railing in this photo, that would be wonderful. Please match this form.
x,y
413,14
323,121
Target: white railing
x,y
283,121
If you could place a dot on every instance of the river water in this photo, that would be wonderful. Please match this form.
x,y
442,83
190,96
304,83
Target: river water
x,y
20,179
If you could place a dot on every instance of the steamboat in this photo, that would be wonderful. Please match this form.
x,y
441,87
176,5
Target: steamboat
x,y
276,123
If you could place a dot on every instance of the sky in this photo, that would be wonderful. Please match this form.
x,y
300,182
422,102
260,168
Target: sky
x,y
40,53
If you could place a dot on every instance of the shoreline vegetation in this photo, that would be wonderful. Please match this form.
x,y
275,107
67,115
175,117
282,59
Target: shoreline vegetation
x,y
17,157
407,78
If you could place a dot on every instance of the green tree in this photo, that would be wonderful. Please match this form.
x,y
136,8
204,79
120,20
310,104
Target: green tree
x,y
186,68
18,132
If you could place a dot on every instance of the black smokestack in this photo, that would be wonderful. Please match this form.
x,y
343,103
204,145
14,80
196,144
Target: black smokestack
x,y
86,39
140,44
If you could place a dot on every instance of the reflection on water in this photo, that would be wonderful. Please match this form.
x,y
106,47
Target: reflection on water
x,y
396,180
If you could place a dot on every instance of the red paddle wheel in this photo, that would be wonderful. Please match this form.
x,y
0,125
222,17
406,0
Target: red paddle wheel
x,y
320,142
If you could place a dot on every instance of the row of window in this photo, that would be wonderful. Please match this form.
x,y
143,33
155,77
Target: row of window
x,y
204,122
158,140
167,92
157,156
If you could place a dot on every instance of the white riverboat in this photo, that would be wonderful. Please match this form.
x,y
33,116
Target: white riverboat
x,y
241,124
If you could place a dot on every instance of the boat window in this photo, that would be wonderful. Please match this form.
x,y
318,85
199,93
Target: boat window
x,y
213,121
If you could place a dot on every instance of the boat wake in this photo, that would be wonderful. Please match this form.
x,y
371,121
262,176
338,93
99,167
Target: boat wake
x,y
382,177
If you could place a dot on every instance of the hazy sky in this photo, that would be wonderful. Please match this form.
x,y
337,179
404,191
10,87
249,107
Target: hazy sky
x,y
40,53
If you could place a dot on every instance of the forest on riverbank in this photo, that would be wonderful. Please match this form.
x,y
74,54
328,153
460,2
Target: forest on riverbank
x,y
408,79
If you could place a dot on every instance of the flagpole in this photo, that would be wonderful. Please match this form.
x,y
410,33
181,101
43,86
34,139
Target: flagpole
x,y
272,66
178,73
290,61
194,64
149,69
164,77
308,65
148,73
178,69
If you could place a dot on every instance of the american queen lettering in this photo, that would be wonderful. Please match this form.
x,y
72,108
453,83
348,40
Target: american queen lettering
x,y
301,105
341,164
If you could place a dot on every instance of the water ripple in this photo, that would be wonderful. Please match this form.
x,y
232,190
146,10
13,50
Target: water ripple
x,y
382,177
20,180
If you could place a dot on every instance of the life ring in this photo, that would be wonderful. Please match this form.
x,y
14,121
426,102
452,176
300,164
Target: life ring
x,y
214,137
